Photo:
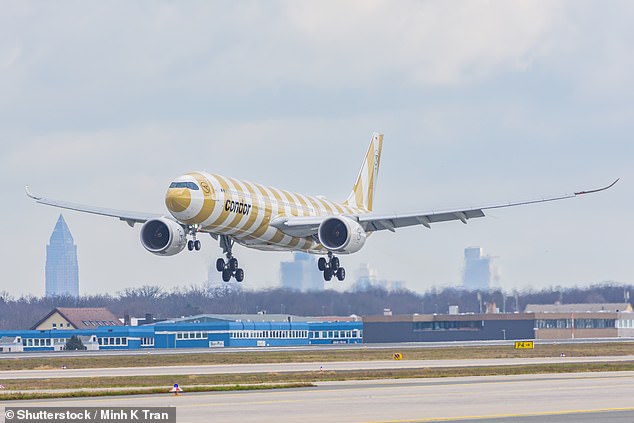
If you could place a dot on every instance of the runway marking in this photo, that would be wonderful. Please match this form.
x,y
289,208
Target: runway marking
x,y
362,390
422,383
501,416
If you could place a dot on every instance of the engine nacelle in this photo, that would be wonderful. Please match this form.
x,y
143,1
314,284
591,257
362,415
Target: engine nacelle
x,y
163,237
341,234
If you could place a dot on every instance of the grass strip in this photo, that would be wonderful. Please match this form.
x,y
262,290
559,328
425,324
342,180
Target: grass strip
x,y
14,396
360,354
220,380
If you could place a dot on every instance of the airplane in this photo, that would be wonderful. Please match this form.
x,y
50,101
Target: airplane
x,y
266,218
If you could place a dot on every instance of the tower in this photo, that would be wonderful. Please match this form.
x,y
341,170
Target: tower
x,y
300,274
62,270
477,269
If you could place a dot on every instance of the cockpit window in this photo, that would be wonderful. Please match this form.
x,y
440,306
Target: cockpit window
x,y
189,185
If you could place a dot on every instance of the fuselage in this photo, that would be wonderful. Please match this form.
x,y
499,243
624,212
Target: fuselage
x,y
244,210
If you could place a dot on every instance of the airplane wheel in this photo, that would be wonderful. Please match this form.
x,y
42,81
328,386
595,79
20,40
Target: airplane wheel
x,y
239,275
197,245
321,263
190,245
334,263
328,274
233,264
226,275
341,273
220,265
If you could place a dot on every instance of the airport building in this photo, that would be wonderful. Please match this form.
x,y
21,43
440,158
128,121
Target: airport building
x,y
568,321
203,331
263,330
447,327
537,322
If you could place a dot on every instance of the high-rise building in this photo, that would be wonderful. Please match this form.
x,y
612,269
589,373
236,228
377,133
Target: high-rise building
x,y
62,270
478,269
301,274
366,277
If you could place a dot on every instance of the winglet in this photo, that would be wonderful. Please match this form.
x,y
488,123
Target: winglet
x,y
599,189
30,194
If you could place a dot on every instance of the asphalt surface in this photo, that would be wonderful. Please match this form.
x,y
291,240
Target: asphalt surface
x,y
227,350
298,367
586,397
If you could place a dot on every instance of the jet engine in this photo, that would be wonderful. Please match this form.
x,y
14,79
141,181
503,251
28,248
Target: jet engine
x,y
163,237
341,234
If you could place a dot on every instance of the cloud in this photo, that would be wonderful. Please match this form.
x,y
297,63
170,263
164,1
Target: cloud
x,y
89,61
435,42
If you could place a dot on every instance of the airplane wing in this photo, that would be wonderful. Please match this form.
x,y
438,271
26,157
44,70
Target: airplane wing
x,y
308,226
299,226
129,217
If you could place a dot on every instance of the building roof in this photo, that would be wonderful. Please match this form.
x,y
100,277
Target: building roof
x,y
8,340
84,318
61,234
462,317
578,308
259,318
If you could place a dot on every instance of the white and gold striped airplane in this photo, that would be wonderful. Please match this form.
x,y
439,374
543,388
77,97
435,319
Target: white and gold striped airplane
x,y
267,218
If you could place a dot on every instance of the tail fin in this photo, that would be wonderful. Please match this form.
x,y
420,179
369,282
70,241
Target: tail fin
x,y
363,192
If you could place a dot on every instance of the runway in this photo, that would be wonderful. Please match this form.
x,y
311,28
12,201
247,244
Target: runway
x,y
300,367
591,397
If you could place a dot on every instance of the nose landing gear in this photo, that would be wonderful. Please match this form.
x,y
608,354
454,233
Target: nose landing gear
x,y
331,267
193,244
228,268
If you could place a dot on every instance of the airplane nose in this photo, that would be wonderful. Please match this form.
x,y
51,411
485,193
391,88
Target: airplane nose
x,y
177,200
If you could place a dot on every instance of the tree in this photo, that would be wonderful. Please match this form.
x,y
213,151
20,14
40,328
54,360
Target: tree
x,y
74,344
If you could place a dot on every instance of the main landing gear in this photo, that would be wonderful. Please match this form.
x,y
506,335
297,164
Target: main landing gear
x,y
229,268
331,267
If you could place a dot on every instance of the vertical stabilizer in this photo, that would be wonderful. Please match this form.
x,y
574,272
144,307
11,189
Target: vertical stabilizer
x,y
362,194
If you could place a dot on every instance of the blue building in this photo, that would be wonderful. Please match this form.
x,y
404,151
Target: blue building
x,y
62,270
99,338
340,333
213,331
204,331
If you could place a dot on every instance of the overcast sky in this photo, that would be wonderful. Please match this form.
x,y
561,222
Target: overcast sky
x,y
480,102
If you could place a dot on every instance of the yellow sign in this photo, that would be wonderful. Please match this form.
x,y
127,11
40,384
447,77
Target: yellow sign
x,y
524,345
398,356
